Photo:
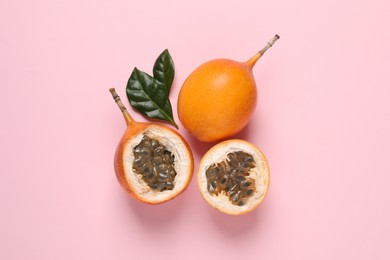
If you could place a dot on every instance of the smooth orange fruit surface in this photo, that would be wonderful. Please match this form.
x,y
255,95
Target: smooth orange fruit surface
x,y
218,98
125,160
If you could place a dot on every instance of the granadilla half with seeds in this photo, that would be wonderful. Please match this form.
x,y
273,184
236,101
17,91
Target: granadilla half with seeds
x,y
233,177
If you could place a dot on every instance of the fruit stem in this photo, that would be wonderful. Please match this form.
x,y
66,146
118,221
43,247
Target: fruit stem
x,y
122,107
252,61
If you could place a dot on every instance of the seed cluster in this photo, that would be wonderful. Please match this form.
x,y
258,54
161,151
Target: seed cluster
x,y
155,164
231,177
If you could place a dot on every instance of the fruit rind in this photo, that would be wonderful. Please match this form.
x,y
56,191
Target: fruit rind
x,y
260,173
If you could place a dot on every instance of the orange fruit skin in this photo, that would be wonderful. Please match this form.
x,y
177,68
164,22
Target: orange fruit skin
x,y
133,129
218,99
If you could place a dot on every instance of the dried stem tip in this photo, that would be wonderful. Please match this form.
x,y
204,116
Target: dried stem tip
x,y
269,44
122,107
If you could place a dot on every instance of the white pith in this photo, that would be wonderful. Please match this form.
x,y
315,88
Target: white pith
x,y
260,173
182,164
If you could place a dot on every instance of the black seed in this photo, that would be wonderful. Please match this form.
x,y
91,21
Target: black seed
x,y
248,158
210,188
212,173
232,159
249,192
172,172
235,198
247,183
154,144
137,149
166,158
139,161
239,178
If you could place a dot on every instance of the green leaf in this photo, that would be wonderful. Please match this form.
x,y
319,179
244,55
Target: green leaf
x,y
149,96
164,69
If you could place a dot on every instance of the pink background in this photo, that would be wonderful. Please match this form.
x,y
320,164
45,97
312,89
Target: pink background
x,y
323,121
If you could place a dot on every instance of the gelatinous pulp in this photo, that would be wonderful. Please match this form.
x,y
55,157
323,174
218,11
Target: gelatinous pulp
x,y
155,164
231,177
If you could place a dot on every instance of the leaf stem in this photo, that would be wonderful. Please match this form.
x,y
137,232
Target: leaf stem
x,y
122,107
174,123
